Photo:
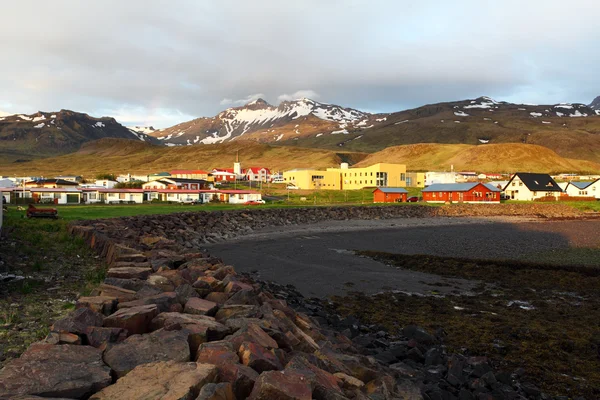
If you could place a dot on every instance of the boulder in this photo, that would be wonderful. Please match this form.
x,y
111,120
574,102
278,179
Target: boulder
x,y
217,391
122,295
348,381
101,304
240,376
258,357
419,334
199,306
129,272
252,333
217,297
135,320
185,292
322,382
237,311
236,286
246,296
161,380
78,321
284,385
164,301
128,284
55,371
217,353
143,349
99,337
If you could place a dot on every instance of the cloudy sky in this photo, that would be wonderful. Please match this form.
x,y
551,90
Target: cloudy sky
x,y
157,63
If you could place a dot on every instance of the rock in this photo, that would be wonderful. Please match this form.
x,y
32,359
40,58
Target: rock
x,y
164,301
419,334
99,337
252,333
222,272
217,297
160,380
217,391
236,286
284,385
143,349
348,381
101,304
78,321
55,371
455,375
129,272
240,376
185,292
160,283
128,284
199,306
258,357
135,320
382,387
209,282
217,353
122,295
324,384
530,389
246,297
68,338
237,311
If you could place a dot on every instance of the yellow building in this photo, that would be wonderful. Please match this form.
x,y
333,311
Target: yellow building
x,y
345,178
415,179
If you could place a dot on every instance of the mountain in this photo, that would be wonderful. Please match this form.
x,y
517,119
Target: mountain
x,y
263,122
571,130
146,130
596,105
52,133
123,156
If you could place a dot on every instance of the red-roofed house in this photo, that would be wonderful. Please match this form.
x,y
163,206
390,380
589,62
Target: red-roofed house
x,y
257,174
223,175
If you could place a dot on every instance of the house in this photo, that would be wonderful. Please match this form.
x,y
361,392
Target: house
x,y
434,177
179,195
176,183
236,196
51,183
489,176
466,176
70,178
190,174
56,195
224,175
584,189
132,178
472,192
389,195
6,183
415,179
112,196
530,186
107,183
257,174
345,178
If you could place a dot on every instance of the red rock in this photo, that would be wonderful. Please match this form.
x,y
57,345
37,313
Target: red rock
x,y
129,272
237,311
135,320
55,371
236,286
217,297
217,391
163,301
252,333
258,357
213,283
122,295
321,381
160,380
99,337
68,338
143,349
101,304
217,353
199,306
240,376
284,385
222,272
78,321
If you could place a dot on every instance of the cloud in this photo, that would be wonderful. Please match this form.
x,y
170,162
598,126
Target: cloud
x,y
194,58
300,94
241,102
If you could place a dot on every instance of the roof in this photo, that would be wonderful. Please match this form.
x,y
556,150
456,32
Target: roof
x,y
185,180
391,190
54,190
538,182
457,187
55,181
581,185
255,170
188,172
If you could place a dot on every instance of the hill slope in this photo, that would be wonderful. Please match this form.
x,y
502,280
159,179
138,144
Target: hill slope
x,y
123,156
127,156
506,157
52,133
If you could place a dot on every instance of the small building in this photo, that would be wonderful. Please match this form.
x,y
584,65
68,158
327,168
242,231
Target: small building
x,y
70,178
472,192
176,183
528,186
56,195
257,174
112,196
584,189
6,183
107,183
237,196
224,175
51,183
190,174
390,195
179,195
434,177
415,179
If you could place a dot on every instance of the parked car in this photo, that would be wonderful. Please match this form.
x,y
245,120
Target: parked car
x,y
254,202
188,201
292,187
412,199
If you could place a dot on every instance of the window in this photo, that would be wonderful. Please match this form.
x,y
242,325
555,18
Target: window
x,y
92,196
402,177
535,193
122,196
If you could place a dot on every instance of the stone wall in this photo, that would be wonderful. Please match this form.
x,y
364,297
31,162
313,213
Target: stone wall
x,y
170,322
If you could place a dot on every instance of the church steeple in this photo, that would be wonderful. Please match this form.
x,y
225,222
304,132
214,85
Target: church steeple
x,y
237,166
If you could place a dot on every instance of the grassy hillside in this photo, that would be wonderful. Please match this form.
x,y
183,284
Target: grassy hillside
x,y
127,156
506,157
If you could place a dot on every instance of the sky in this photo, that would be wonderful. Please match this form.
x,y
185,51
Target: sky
x,y
158,63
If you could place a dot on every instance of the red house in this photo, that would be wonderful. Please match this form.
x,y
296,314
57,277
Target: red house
x,y
389,195
461,193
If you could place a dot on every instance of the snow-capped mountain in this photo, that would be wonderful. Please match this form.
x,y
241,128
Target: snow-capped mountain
x,y
596,105
289,119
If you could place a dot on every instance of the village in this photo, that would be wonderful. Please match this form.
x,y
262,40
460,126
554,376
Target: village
x,y
389,183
